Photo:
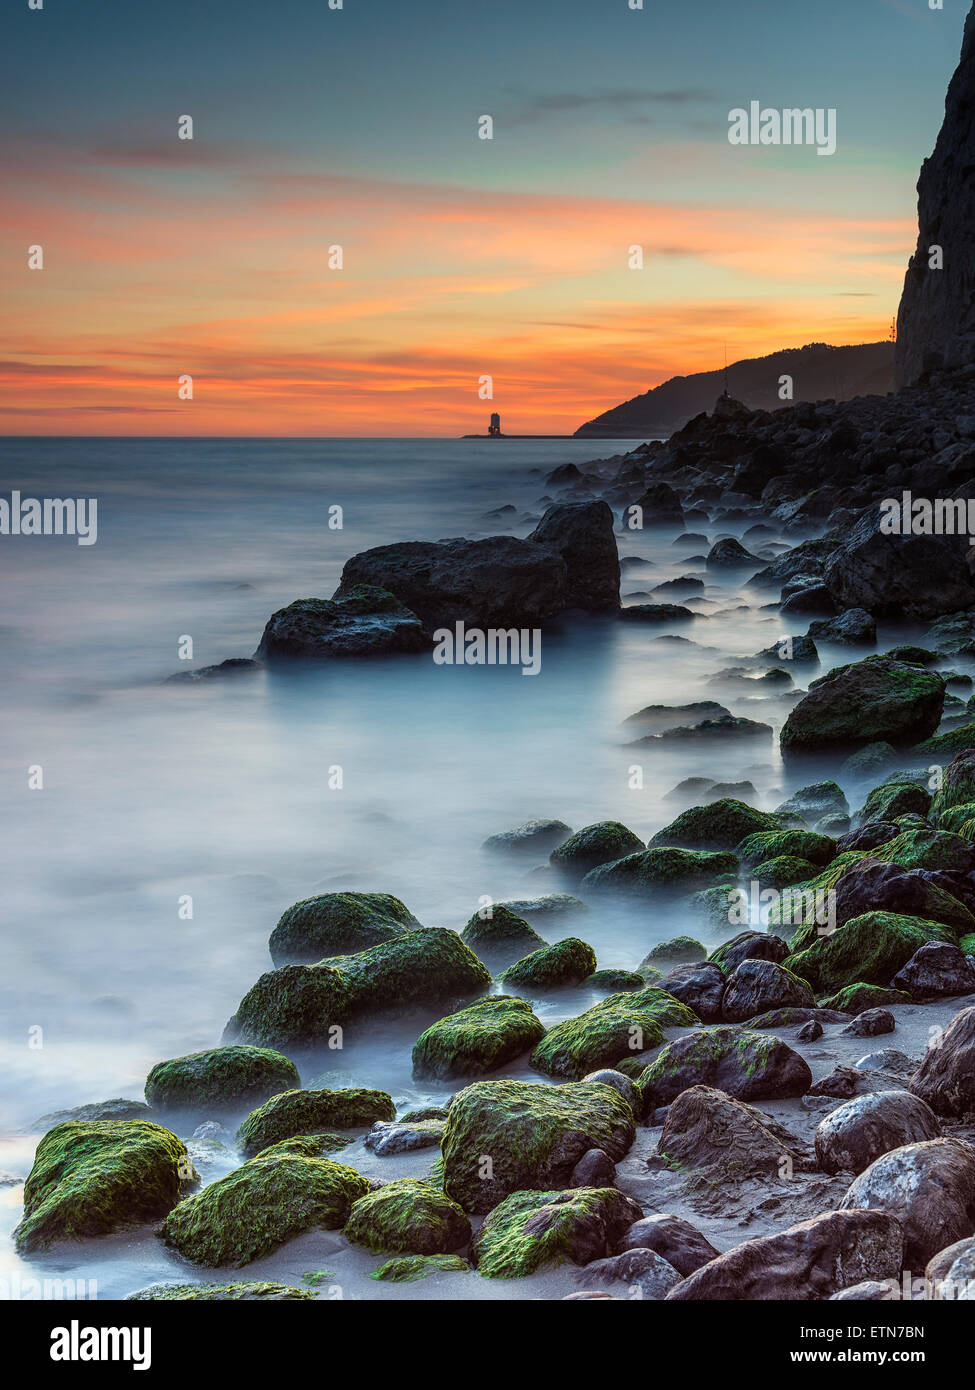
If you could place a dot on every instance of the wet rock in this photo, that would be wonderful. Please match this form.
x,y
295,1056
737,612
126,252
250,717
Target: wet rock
x,y
594,1169
582,533
618,1026
868,1291
559,966
680,1243
337,924
311,1112
901,576
936,971
221,1079
719,1140
533,838
749,945
871,1023
641,1269
100,1111
661,872
946,1076
656,719
365,620
870,949
731,554
684,949
233,666
809,1032
854,1135
721,825
815,801
594,845
407,1217
854,628
756,986
930,1189
744,1064
486,1035
700,986
857,999
875,700
531,1229
386,1139
657,613
809,1261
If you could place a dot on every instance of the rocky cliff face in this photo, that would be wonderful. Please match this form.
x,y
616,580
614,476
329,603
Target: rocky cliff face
x,y
936,321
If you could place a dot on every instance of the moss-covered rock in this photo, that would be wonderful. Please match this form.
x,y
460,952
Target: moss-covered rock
x,y
337,924
531,1229
496,933
408,1217
241,1291
261,1206
93,1177
614,1028
815,801
757,986
967,944
720,825
594,845
739,1061
616,981
406,1269
893,799
869,949
679,950
659,872
959,820
220,1080
783,871
856,999
478,1039
924,848
957,740
311,1112
308,1145
299,1003
957,784
749,945
533,1135
796,844
565,963
876,700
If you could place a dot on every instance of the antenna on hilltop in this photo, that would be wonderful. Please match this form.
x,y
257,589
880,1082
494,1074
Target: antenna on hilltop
x,y
726,369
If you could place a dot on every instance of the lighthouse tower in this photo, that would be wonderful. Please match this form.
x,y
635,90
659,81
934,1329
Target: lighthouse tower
x,y
495,426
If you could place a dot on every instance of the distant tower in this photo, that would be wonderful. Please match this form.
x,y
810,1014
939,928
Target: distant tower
x,y
495,426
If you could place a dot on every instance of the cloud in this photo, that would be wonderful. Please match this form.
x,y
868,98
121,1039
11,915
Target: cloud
x,y
632,105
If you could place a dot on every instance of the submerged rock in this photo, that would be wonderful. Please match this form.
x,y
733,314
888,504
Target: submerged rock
x,y
219,1080
594,845
721,825
565,963
875,700
498,934
311,1112
484,1036
241,1291
533,838
90,1178
337,924
661,872
535,1135
365,620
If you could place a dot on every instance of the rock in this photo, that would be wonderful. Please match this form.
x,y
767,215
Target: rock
x,y
582,533
936,321
744,1064
682,1245
957,784
657,613
716,731
756,986
241,1291
618,1026
721,1140
946,1076
854,1135
683,949
566,963
731,554
405,1269
486,1035
957,1281
871,701
594,1169
700,987
812,803
783,872
594,845
912,576
892,799
534,1133
641,1269
841,1083
300,1003
545,906
719,826
101,1111
408,1217
869,949
497,582
660,505
337,924
809,1032
656,719
929,849
854,628
530,1229
497,934
887,1059
809,1261
749,945
813,597
930,1189
220,1080
800,651
661,872
614,981
860,886
936,971
259,1207
790,1018
869,761
858,998
92,1177
871,1023
305,1146
868,1291
686,585
233,666
386,1140
626,1088
365,620
535,837
311,1112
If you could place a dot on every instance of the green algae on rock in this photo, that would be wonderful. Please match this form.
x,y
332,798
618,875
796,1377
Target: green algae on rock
x,y
337,924
957,785
739,1061
93,1177
614,1028
533,1134
662,871
679,950
869,949
594,845
242,1291
260,1206
311,1112
408,1217
308,1145
795,844
480,1038
857,998
220,1079
495,932
531,1229
616,981
876,700
405,1269
783,872
924,848
893,799
565,963
719,825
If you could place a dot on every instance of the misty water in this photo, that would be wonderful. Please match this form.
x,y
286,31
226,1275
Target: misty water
x,y
220,790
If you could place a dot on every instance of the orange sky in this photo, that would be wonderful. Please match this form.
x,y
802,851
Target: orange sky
x,y
226,279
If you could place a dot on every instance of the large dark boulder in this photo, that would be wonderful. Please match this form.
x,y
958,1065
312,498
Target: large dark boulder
x,y
930,1189
582,533
890,575
946,1076
876,700
936,971
744,1064
365,620
855,1134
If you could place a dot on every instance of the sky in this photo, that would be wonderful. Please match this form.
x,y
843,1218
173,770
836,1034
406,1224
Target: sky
x,y
462,258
